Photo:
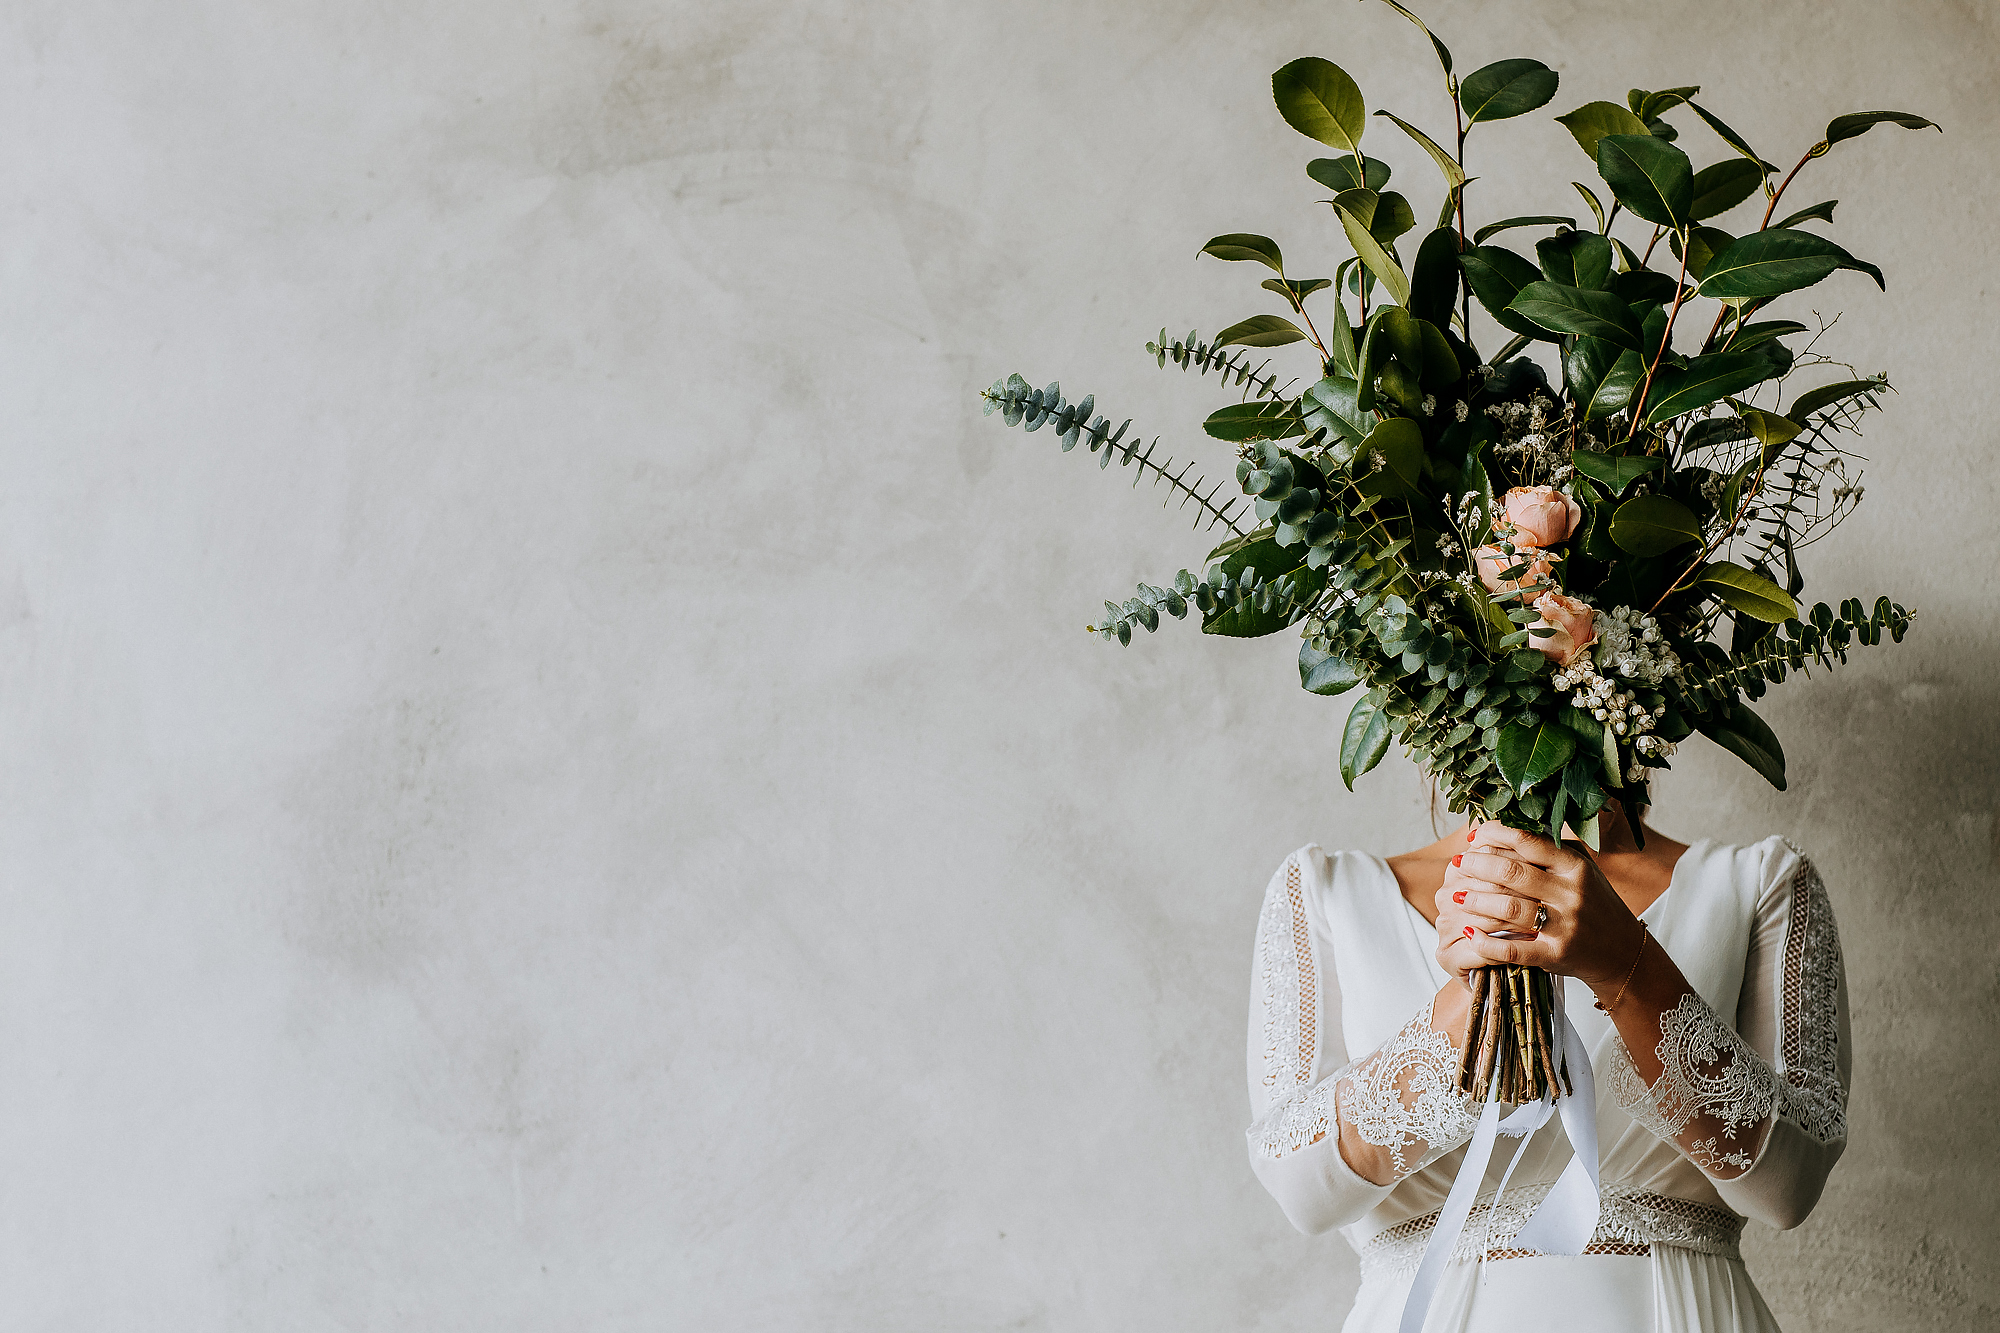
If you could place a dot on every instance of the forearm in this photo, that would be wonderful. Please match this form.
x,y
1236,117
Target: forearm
x,y
1656,987
1386,1163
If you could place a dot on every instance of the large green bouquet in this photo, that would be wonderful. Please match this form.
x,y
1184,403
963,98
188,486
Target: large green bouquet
x,y
1540,588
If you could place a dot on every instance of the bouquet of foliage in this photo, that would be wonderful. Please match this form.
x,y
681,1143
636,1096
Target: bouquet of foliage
x,y
1541,585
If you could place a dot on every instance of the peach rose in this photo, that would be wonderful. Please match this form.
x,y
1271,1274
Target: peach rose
x,y
1540,515
1492,559
1564,630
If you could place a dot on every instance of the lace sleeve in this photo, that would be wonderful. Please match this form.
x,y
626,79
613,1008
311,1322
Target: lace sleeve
x,y
1761,1106
1329,1146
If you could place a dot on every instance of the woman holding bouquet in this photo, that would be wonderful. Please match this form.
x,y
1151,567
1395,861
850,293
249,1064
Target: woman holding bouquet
x,y
1706,984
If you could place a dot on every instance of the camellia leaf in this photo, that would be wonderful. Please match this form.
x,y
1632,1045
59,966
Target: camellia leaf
x,y
1243,245
1531,751
1399,443
1828,394
1748,593
1745,735
1495,228
1576,259
1651,106
1731,137
1596,206
1264,419
1364,741
1642,287
1860,122
1330,406
1615,472
1319,100
1506,88
1337,173
1767,428
1593,120
1326,673
1372,254
1723,186
1496,276
1443,54
1295,291
1751,334
1770,263
1705,380
1434,277
1863,266
1454,175
1704,244
1821,212
1562,309
1653,525
1651,177
1260,331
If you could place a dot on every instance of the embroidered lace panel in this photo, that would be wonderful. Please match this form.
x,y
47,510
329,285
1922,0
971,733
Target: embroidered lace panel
x,y
1713,1083
1290,986
1402,1096
1631,1222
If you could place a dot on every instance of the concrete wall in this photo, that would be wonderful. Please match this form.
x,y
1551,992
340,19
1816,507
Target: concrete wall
x,y
554,778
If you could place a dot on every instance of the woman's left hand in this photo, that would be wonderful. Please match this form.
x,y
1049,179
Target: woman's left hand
x,y
1495,887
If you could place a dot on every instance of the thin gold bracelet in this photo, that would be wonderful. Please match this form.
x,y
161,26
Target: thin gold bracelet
x,y
1644,935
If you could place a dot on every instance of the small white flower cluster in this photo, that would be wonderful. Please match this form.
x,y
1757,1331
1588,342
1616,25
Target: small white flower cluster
x,y
1711,489
1376,460
1598,696
1630,644
1430,404
1447,546
1533,433
1460,410
1653,748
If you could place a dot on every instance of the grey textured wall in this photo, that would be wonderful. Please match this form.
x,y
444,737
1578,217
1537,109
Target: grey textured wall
x,y
553,777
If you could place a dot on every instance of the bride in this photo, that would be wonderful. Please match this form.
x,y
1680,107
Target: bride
x,y
1706,984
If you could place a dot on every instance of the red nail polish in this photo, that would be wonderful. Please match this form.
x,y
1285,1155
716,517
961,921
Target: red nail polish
x,y
1458,897
1470,833
1456,859
1468,930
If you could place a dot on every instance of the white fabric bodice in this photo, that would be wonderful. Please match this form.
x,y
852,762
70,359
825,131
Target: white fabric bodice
x,y
1746,1120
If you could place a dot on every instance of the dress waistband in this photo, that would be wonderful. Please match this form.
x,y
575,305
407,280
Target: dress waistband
x,y
1630,1222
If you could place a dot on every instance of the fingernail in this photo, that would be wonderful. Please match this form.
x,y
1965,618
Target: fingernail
x,y
1458,897
1469,833
1468,930
1456,859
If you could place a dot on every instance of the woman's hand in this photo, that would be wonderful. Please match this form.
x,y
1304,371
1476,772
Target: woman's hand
x,y
1487,908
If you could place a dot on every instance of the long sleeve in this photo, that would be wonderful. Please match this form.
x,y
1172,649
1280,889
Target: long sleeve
x,y
1761,1106
1400,1100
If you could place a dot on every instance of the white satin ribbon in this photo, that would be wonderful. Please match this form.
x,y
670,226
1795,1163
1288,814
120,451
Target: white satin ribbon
x,y
1567,1217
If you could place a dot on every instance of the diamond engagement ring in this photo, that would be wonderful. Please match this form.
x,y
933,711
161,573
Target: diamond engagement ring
x,y
1541,916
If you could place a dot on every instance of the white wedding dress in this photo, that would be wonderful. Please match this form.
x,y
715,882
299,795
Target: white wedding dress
x,y
1746,1120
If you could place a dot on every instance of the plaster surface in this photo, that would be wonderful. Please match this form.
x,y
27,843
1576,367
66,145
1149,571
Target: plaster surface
x,y
554,777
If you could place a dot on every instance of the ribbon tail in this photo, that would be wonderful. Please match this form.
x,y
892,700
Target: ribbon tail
x,y
1568,1217
1451,1219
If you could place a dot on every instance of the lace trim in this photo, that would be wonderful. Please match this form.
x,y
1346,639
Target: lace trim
x,y
1631,1222
1810,1095
1402,1096
1290,986
1707,1071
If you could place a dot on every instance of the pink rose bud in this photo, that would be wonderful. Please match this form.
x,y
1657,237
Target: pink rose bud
x,y
1540,515
1493,560
1565,629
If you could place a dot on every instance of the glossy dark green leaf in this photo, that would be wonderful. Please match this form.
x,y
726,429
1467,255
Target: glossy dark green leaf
x,y
1863,266
1443,54
1770,263
1496,276
1820,212
1651,106
1434,277
1723,186
1295,291
1398,444
1615,472
1653,525
1531,751
1576,259
1330,406
1741,732
1704,380
1731,137
1393,216
1747,593
1244,245
1260,331
1454,175
1860,122
1326,673
1643,286
1828,394
1652,178
1373,254
1506,88
1341,343
1363,742
1752,334
1506,224
1704,244
1319,100
1564,309
1592,202
1593,120
1441,368
1260,420
1337,173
